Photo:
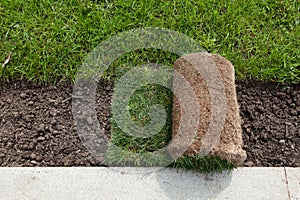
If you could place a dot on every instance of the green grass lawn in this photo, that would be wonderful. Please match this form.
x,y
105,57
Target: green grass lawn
x,y
50,39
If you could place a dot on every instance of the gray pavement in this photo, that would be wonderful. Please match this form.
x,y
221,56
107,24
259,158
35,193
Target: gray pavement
x,y
147,183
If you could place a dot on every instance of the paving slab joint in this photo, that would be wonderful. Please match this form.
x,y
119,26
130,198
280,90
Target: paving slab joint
x,y
287,183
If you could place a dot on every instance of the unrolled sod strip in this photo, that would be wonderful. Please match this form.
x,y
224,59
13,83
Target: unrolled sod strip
x,y
228,142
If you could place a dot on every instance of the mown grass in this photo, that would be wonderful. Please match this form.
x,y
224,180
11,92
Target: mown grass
x,y
50,39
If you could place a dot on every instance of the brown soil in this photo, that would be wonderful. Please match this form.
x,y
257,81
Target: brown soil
x,y
271,123
37,129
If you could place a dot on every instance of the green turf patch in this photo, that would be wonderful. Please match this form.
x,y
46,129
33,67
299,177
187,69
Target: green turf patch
x,y
49,40
126,150
139,151
203,164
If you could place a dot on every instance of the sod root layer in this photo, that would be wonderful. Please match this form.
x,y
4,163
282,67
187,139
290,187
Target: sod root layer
x,y
37,128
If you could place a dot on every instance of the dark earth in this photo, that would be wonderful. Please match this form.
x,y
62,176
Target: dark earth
x,y
37,127
271,123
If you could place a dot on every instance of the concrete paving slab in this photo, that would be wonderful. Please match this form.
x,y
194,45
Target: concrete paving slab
x,y
293,180
140,183
256,183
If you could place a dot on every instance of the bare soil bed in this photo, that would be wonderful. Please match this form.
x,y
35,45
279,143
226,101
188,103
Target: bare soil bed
x,y
271,123
37,129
